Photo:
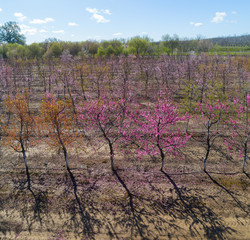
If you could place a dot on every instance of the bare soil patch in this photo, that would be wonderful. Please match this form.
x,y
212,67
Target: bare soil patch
x,y
138,202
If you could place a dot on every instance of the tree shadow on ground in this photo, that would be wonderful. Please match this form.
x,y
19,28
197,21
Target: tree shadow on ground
x,y
81,216
147,210
151,218
30,201
40,200
202,221
132,217
246,174
239,203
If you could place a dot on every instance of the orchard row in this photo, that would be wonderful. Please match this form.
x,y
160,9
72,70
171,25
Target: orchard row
x,y
158,129
189,79
150,106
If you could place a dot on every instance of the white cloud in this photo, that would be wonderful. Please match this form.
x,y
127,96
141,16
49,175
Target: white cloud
x,y
28,30
198,24
106,11
91,10
43,31
117,34
234,12
219,17
72,24
41,21
1,9
97,16
59,31
20,16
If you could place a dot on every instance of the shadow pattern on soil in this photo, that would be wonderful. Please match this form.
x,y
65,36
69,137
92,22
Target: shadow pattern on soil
x,y
76,207
240,204
199,216
31,201
162,213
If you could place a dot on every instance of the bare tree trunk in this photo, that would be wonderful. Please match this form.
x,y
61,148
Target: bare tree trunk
x,y
64,150
162,164
248,134
208,146
162,156
111,154
205,159
26,167
111,149
160,148
245,153
82,87
66,157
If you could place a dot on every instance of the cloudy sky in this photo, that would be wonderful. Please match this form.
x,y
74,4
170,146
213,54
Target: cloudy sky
x,y
79,20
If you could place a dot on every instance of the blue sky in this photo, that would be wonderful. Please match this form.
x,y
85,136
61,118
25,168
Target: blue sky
x,y
80,20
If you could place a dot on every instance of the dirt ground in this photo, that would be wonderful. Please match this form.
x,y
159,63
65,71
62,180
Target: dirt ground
x,y
137,201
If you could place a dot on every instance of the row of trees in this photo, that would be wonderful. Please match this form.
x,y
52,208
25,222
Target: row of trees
x,y
216,89
136,46
189,78
119,124
242,41
13,46
118,106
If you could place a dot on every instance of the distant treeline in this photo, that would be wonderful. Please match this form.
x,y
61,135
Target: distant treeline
x,y
240,41
170,45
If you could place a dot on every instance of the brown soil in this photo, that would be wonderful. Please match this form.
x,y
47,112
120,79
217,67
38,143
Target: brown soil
x,y
137,202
